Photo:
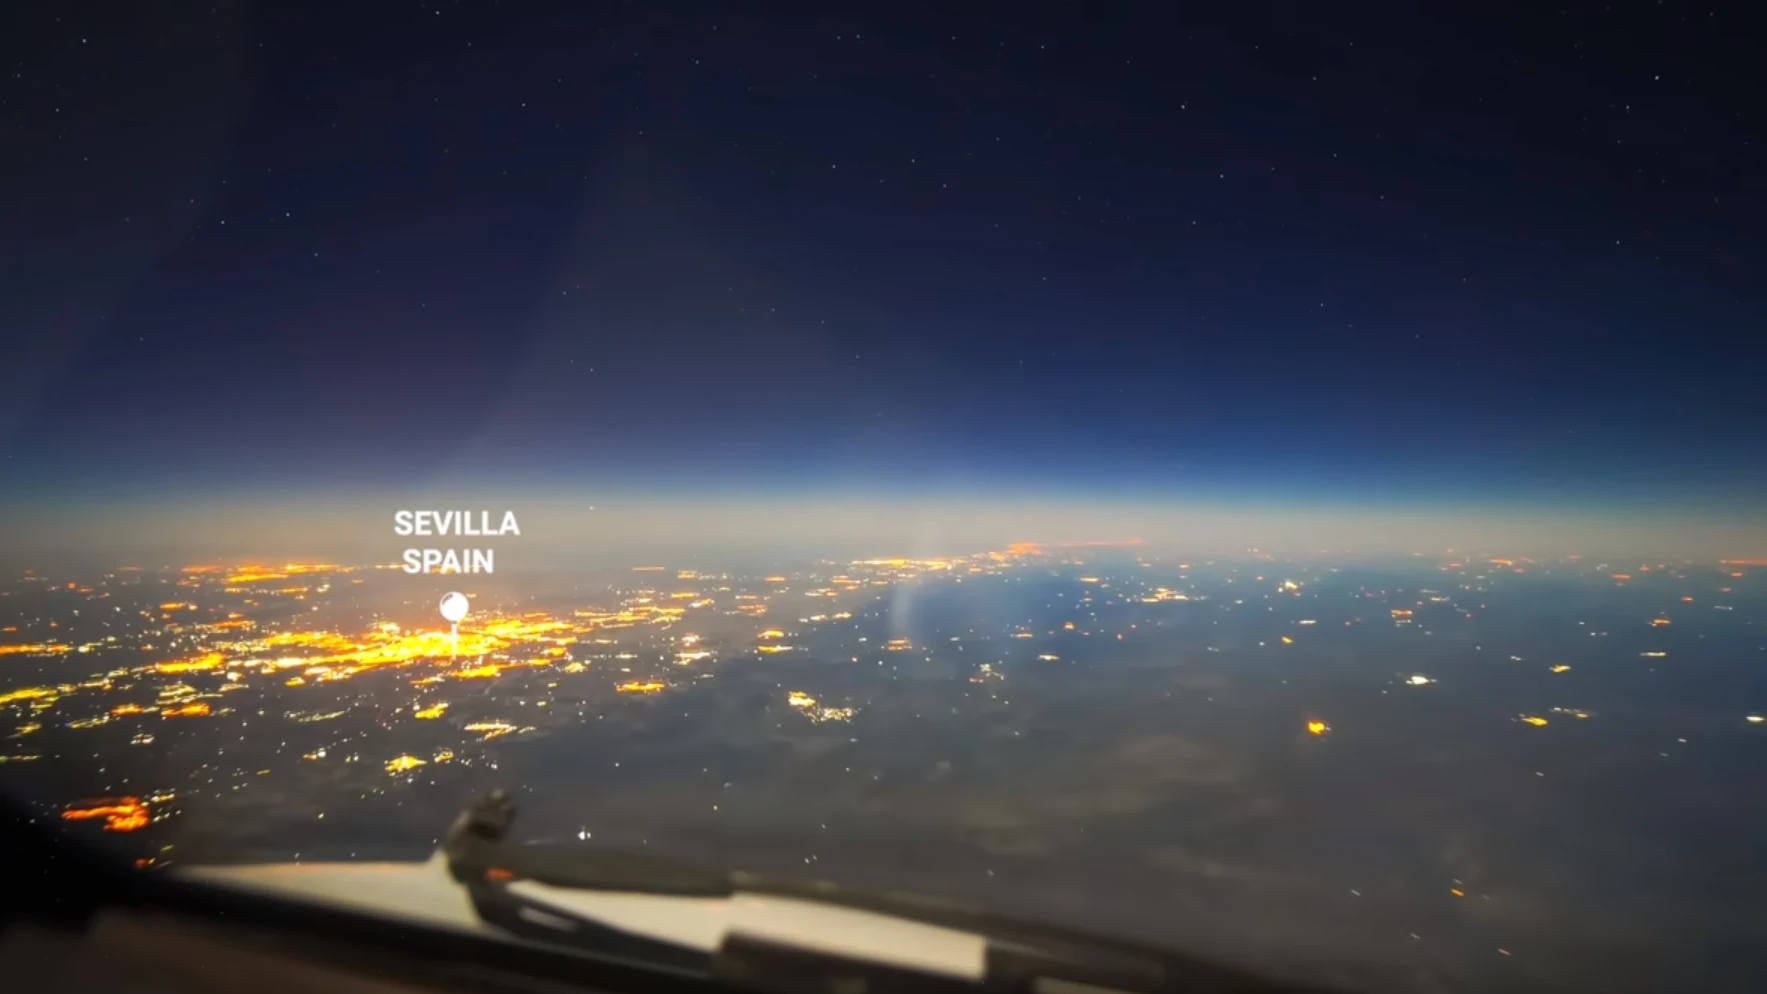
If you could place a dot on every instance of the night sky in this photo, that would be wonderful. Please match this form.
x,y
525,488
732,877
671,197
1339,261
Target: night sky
x,y
1499,253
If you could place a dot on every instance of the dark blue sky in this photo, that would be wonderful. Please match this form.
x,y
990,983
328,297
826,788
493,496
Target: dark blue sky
x,y
1481,252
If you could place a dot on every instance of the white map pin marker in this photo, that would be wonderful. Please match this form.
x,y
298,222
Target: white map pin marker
x,y
454,608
